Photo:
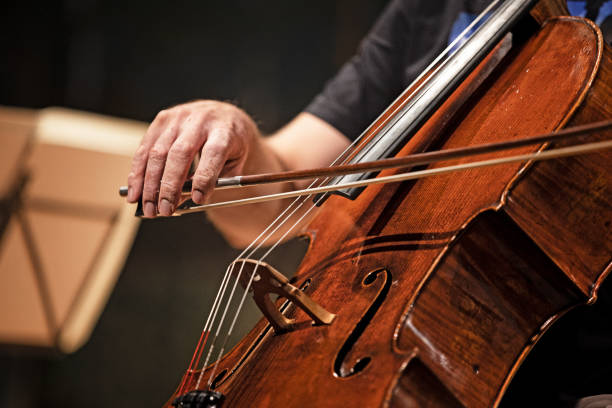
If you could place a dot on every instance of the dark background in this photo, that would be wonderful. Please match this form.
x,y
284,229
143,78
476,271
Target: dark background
x,y
133,58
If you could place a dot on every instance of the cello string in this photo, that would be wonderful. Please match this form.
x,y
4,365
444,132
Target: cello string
x,y
252,252
270,231
229,270
356,142
219,326
248,286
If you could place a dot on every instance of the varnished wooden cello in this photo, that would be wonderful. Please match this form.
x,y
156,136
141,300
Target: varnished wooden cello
x,y
432,292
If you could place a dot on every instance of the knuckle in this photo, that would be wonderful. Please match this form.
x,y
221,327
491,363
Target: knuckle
x,y
135,172
158,153
218,145
169,190
203,180
162,115
141,153
132,177
168,186
184,149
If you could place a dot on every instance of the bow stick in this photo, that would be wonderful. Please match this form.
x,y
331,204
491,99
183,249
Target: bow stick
x,y
400,162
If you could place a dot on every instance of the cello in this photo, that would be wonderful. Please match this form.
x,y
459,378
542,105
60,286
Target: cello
x,y
432,292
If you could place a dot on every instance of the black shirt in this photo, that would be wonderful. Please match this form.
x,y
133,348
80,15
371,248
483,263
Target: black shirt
x,y
407,36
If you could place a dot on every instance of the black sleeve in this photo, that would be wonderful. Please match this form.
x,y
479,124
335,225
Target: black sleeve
x,y
368,82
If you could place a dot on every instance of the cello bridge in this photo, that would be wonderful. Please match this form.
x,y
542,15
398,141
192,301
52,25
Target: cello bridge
x,y
267,280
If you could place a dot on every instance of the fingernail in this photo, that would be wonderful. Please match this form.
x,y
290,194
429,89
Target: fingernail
x,y
197,196
149,209
165,208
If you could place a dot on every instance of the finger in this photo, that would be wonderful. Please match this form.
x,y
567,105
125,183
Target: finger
x,y
155,168
180,156
139,162
214,155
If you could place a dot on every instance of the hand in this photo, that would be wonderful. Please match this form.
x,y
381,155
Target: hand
x,y
222,133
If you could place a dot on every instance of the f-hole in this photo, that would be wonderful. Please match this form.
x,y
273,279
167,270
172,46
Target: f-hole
x,y
218,379
360,327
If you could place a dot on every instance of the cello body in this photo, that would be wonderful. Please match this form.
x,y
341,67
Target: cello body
x,y
442,286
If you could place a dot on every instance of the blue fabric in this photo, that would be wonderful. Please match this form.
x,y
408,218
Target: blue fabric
x,y
463,20
576,8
